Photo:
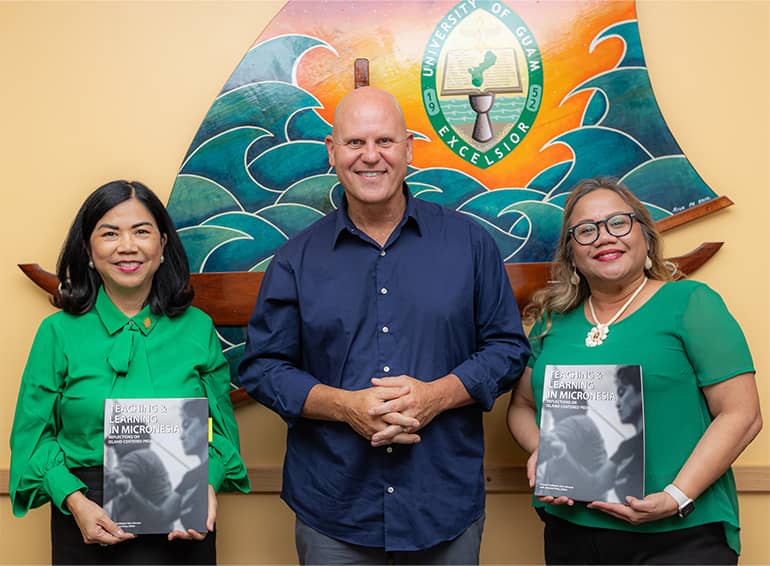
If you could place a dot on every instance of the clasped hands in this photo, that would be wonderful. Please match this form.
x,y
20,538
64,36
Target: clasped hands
x,y
392,411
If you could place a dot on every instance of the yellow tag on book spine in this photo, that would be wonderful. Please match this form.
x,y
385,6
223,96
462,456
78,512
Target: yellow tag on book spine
x,y
211,429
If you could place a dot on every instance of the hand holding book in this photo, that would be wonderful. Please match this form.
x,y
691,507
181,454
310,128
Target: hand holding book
x,y
192,534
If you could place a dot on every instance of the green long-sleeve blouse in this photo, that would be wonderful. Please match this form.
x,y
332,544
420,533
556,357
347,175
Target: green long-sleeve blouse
x,y
77,361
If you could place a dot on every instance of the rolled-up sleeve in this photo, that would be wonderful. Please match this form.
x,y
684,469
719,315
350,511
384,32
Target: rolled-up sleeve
x,y
269,370
38,467
227,472
503,349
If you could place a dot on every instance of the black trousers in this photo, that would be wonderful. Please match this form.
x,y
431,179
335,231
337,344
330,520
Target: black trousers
x,y
568,543
67,544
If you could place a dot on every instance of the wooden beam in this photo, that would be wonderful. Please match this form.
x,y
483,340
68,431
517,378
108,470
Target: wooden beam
x,y
229,297
691,214
499,479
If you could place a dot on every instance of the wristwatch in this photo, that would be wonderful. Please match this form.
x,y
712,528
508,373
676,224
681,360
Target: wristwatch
x,y
686,505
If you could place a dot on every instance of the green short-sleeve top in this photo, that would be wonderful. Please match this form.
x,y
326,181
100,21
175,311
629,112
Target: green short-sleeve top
x,y
77,361
684,338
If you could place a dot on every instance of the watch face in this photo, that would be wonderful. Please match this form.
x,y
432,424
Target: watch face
x,y
686,509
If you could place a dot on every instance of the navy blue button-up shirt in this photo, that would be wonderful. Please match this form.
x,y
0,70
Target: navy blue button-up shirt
x,y
338,309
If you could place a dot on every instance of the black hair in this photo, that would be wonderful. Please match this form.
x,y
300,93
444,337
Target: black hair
x,y
629,376
171,292
188,410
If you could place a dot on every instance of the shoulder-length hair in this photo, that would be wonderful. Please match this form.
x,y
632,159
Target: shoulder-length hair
x,y
170,294
561,294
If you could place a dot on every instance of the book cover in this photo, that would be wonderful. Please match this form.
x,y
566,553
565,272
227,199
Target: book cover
x,y
591,433
156,464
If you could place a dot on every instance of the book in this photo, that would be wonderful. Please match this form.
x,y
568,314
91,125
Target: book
x,y
591,433
156,464
471,71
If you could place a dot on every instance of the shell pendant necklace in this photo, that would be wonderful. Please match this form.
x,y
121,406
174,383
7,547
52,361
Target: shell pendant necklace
x,y
598,334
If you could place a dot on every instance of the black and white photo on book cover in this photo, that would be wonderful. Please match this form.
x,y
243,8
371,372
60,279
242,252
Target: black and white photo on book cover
x,y
156,464
591,433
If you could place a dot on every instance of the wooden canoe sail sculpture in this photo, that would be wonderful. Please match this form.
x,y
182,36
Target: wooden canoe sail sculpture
x,y
557,107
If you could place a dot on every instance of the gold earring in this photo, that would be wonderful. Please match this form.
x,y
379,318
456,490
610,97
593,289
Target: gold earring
x,y
162,258
91,263
647,263
574,279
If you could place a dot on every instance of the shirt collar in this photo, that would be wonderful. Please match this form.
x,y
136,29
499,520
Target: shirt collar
x,y
114,320
344,224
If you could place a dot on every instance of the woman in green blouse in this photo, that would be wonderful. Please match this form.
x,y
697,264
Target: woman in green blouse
x,y
613,302
126,330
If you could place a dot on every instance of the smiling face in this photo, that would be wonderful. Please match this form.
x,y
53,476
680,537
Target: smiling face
x,y
125,247
609,259
370,148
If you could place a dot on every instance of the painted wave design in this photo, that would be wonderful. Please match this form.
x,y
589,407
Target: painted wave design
x,y
253,104
221,160
257,172
268,60
624,134
458,111
633,111
264,163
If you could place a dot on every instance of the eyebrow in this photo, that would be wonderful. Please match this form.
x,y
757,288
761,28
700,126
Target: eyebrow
x,y
114,227
610,215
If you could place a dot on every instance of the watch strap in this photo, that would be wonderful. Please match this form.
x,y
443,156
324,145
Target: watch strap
x,y
682,500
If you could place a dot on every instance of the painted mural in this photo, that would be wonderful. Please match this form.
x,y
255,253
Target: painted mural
x,y
511,104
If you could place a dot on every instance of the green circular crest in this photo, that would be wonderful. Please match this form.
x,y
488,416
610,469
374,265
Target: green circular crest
x,y
482,80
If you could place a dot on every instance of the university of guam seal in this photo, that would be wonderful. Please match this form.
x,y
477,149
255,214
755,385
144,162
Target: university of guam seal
x,y
482,80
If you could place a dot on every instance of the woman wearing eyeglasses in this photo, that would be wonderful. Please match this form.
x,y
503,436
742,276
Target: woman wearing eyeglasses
x,y
613,301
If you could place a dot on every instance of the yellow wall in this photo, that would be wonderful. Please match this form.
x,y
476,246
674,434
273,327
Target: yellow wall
x,y
96,91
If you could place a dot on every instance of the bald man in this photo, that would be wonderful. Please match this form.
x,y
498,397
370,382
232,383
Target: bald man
x,y
381,334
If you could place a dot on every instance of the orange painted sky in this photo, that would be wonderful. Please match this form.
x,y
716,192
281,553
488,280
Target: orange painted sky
x,y
393,36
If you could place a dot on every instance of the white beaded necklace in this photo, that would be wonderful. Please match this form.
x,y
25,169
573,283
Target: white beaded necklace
x,y
598,334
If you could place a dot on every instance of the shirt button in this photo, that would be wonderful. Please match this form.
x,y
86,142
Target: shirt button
x,y
386,369
389,450
385,329
383,291
390,489
382,253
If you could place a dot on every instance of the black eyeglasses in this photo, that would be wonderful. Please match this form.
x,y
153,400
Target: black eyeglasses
x,y
618,225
